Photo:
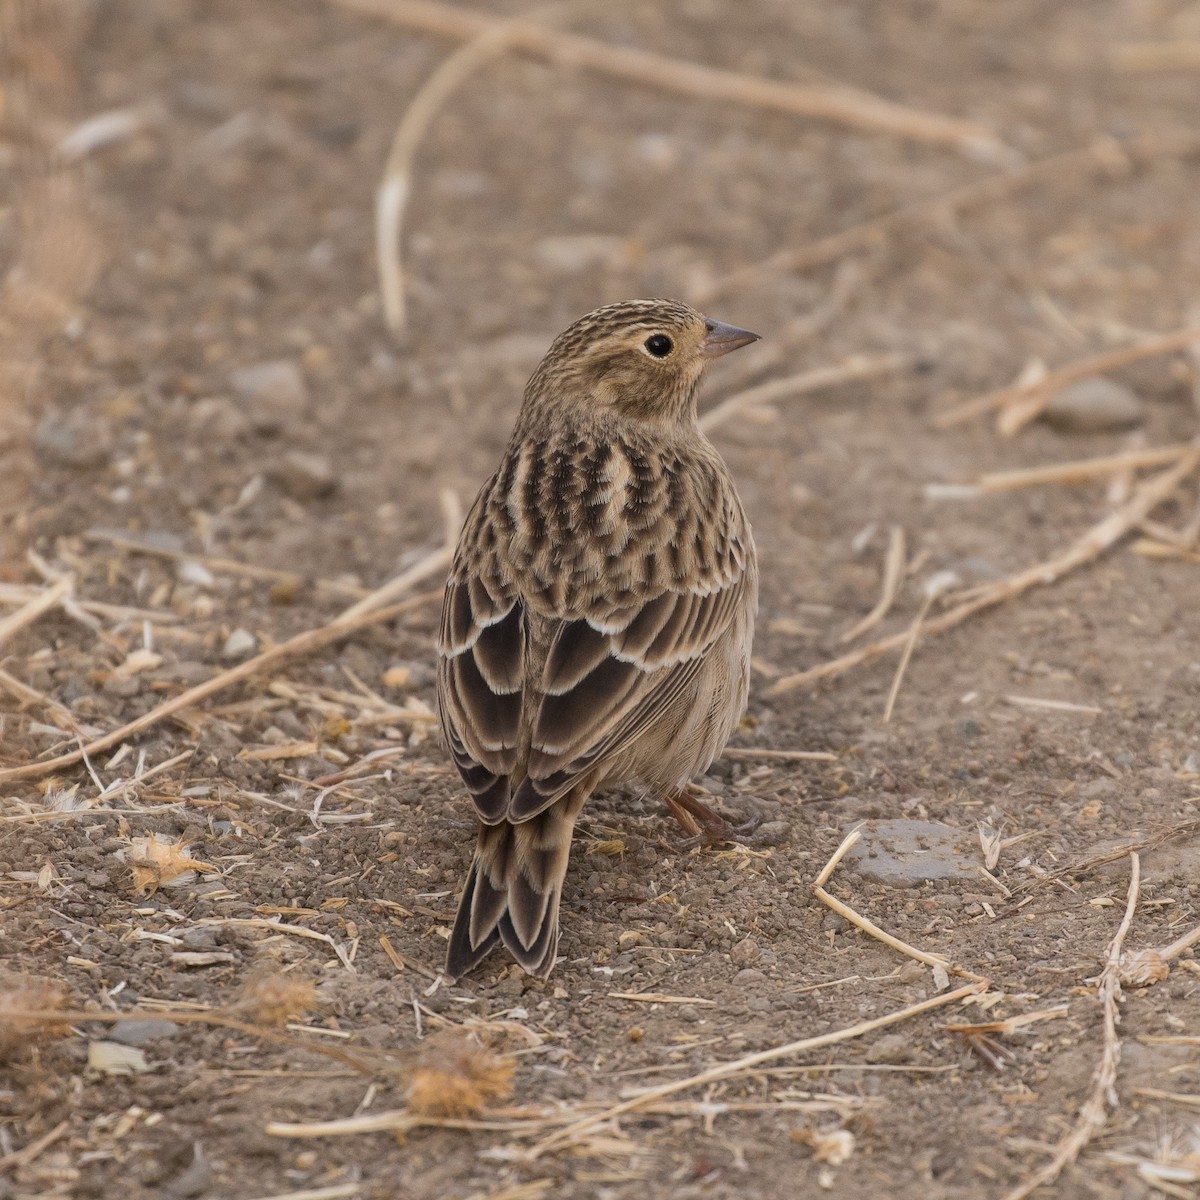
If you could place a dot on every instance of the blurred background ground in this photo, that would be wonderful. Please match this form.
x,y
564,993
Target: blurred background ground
x,y
193,358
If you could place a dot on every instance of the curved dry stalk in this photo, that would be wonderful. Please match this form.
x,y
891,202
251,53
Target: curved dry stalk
x,y
1085,549
307,642
854,368
846,106
1094,1112
893,575
1106,154
391,199
1020,403
38,605
563,1137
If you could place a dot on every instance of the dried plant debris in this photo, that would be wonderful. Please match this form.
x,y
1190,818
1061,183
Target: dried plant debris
x,y
268,999
156,861
457,1075
28,1012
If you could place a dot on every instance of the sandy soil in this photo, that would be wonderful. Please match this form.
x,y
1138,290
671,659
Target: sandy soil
x,y
232,227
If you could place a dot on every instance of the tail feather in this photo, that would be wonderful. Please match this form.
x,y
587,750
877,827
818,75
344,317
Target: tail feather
x,y
513,889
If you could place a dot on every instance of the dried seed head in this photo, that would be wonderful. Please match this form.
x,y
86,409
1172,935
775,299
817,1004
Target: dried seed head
x,y
27,1012
456,1076
275,999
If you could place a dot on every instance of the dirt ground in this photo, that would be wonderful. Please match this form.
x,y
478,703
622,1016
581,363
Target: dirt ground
x,y
229,225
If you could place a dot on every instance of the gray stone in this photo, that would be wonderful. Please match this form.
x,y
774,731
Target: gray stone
x,y
138,1033
274,392
238,644
891,1048
1095,405
745,953
906,853
304,476
72,439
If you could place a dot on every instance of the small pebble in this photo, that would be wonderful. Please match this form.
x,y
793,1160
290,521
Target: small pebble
x,y
1095,405
138,1033
749,977
744,953
891,1048
304,476
72,439
274,392
238,644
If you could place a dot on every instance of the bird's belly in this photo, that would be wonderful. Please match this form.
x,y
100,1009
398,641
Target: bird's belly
x,y
683,741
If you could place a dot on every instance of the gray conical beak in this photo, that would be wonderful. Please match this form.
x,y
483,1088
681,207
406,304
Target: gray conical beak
x,y
722,338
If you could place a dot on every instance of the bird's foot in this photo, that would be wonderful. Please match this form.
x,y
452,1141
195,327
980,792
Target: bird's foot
x,y
704,826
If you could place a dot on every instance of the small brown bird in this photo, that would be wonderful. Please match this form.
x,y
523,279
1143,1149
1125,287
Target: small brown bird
x,y
597,622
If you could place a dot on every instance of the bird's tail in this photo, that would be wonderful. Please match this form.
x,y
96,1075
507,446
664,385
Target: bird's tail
x,y
513,888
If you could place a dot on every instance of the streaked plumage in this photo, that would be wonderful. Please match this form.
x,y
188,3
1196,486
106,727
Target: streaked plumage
x,y
599,612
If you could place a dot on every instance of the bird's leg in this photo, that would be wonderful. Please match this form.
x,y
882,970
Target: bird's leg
x,y
703,825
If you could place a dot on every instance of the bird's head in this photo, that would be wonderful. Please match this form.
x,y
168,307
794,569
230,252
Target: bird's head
x,y
640,359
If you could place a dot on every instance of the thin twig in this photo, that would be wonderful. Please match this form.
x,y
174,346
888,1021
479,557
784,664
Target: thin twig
x,y
802,384
755,752
562,1137
906,654
222,566
391,198
849,107
1105,154
1094,1112
1100,538
432,564
26,1155
893,576
27,695
307,642
1081,470
1135,58
35,608
1020,403
868,926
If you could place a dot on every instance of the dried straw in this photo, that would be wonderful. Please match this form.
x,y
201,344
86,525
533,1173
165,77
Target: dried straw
x,y
1100,538
1103,1096
849,107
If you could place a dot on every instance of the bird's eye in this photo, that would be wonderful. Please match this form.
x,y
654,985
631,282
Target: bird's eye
x,y
659,345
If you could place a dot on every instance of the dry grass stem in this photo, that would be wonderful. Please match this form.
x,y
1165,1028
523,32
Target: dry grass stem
x,y
1094,1112
1147,548
755,753
1190,1099
1138,58
1082,470
35,608
849,107
802,384
893,576
391,198
1095,542
220,566
564,1137
27,1154
906,657
432,564
1021,403
335,1191
658,998
1103,155
15,593
1011,1023
27,696
844,846
308,642
869,927
1051,705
